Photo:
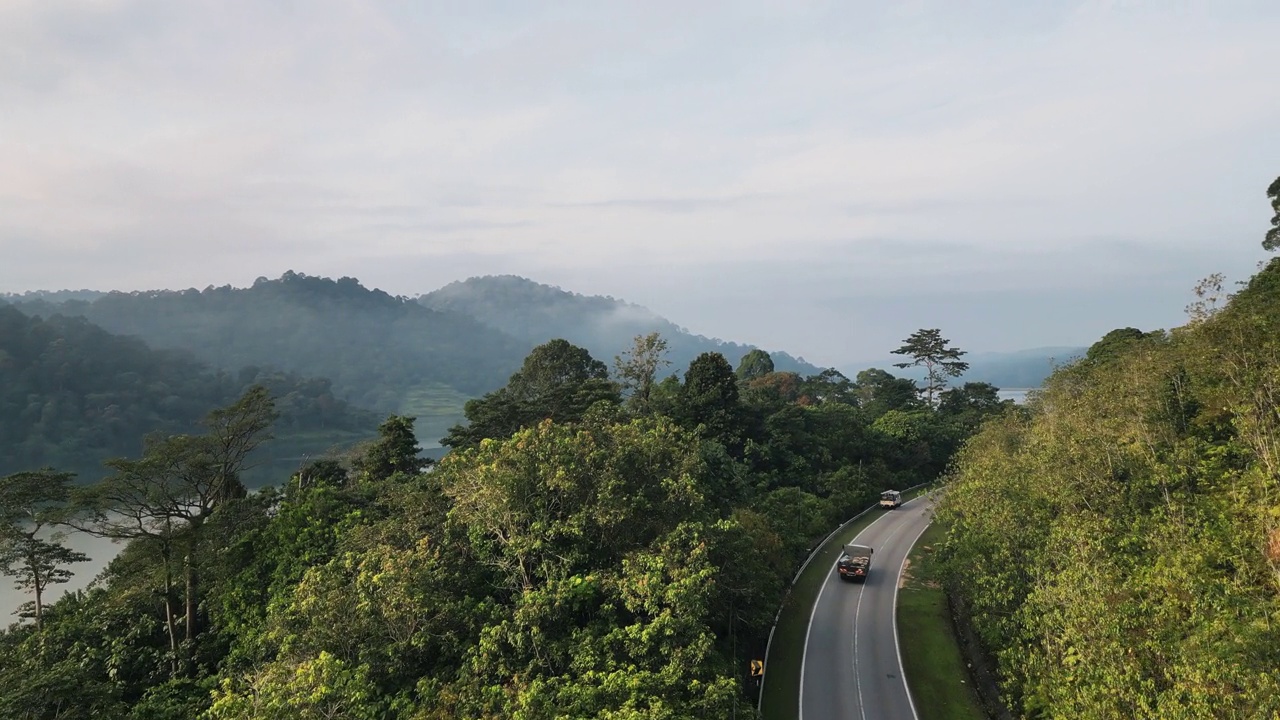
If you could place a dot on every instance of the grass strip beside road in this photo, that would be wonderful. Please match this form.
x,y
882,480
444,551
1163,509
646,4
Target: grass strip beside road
x,y
931,659
782,667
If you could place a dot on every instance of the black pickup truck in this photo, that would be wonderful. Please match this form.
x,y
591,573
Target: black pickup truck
x,y
854,563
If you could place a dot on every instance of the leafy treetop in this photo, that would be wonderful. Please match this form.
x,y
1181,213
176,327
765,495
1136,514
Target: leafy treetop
x,y
930,349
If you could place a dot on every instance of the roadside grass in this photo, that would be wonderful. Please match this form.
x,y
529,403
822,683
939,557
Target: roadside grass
x,y
931,659
782,666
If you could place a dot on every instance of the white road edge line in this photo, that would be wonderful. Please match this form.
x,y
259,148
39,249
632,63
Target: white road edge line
x,y
857,610
902,673
804,654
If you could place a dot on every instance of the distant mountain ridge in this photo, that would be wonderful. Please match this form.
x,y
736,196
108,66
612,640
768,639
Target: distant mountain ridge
x,y
535,313
376,348
73,394
391,354
1015,369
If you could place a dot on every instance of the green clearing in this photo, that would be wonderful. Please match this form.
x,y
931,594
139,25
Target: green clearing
x,y
931,659
782,666
437,408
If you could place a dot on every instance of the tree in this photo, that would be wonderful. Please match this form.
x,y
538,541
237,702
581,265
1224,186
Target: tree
x,y
930,349
971,403
166,496
754,364
1208,294
395,450
553,366
26,499
1272,240
1116,343
234,432
136,504
879,392
558,380
828,386
637,368
709,400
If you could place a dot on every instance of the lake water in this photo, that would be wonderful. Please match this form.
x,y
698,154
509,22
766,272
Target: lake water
x,y
100,553
1018,395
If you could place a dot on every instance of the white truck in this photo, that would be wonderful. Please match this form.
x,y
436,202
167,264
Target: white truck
x,y
890,499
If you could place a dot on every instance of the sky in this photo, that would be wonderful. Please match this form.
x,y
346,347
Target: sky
x,y
817,177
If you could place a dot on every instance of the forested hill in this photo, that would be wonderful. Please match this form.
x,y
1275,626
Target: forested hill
x,y
577,554
1117,545
72,394
536,313
377,349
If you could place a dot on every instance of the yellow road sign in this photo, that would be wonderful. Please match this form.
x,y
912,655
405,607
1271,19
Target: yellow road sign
x,y
757,668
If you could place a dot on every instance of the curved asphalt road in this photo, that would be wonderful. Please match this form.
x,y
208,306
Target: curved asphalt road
x,y
851,668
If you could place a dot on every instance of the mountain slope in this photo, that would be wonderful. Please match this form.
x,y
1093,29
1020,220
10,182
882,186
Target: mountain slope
x,y
377,349
1115,546
536,313
72,395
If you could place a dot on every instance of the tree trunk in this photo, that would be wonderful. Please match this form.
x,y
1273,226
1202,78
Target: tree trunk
x,y
168,615
191,594
39,588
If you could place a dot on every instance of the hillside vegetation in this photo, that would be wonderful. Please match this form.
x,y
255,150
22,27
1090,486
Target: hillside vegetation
x,y
596,545
536,313
73,395
375,348
1117,544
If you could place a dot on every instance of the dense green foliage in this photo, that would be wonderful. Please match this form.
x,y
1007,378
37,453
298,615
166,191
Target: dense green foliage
x,y
1117,545
1271,240
34,560
72,395
928,349
586,556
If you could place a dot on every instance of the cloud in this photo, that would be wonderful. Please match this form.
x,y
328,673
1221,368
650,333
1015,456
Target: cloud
x,y
739,167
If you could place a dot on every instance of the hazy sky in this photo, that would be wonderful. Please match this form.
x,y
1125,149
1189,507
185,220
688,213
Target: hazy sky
x,y
817,177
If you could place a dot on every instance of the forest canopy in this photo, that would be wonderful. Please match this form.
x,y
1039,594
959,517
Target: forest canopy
x,y
583,550
1116,545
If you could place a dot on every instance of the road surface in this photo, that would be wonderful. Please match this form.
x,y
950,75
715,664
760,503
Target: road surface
x,y
851,666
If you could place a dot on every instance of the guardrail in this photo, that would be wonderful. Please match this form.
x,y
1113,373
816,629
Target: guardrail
x,y
794,580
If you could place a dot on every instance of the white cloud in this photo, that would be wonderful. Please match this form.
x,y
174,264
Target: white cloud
x,y
681,156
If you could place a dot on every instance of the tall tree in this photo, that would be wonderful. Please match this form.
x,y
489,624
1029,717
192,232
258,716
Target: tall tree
x,y
637,369
930,349
558,380
136,504
167,495
1272,240
754,364
709,401
971,403
395,450
234,432
879,392
26,501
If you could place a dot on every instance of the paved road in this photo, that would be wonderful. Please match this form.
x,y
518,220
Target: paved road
x,y
851,666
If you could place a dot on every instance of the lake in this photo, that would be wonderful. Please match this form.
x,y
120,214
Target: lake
x,y
1018,395
100,553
